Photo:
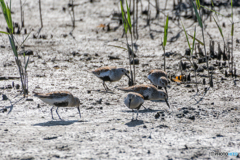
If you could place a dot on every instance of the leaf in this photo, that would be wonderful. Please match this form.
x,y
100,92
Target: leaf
x,y
219,28
212,3
186,37
198,17
213,11
118,47
13,46
232,30
123,19
26,38
198,4
193,40
200,42
165,32
4,32
129,18
27,63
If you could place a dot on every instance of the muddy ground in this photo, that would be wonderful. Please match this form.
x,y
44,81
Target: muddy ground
x,y
197,125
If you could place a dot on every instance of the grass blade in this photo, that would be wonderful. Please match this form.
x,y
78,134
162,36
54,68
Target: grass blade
x,y
198,16
13,46
25,39
129,18
4,32
200,42
232,30
186,36
212,3
117,47
123,19
198,4
27,63
194,40
165,33
213,11
219,28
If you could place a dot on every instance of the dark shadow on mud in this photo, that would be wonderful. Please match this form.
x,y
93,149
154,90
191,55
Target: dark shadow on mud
x,y
147,110
102,91
57,123
134,123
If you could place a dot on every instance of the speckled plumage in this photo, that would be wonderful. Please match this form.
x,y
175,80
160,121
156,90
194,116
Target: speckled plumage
x,y
110,73
149,92
158,78
134,101
59,99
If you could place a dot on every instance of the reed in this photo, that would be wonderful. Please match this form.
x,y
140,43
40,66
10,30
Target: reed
x,y
128,27
21,68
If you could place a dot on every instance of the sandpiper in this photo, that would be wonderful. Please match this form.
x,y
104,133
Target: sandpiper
x,y
59,99
149,92
134,101
158,78
110,74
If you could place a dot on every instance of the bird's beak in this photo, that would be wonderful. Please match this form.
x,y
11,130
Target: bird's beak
x,y
165,89
127,75
79,110
167,103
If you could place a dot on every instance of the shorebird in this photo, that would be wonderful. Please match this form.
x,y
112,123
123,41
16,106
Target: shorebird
x,y
149,92
158,78
109,73
134,101
59,99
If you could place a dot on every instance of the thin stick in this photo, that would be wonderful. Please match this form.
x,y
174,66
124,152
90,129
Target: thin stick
x,y
22,19
40,10
136,19
73,14
204,43
166,4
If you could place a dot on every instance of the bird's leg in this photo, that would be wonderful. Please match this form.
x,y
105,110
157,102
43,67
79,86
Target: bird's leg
x,y
132,114
58,114
144,107
137,115
104,85
79,111
107,87
51,113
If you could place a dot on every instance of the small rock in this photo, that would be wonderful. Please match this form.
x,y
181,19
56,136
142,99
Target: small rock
x,y
5,130
9,86
107,103
88,59
99,101
113,57
187,52
4,97
27,52
200,69
136,61
17,86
